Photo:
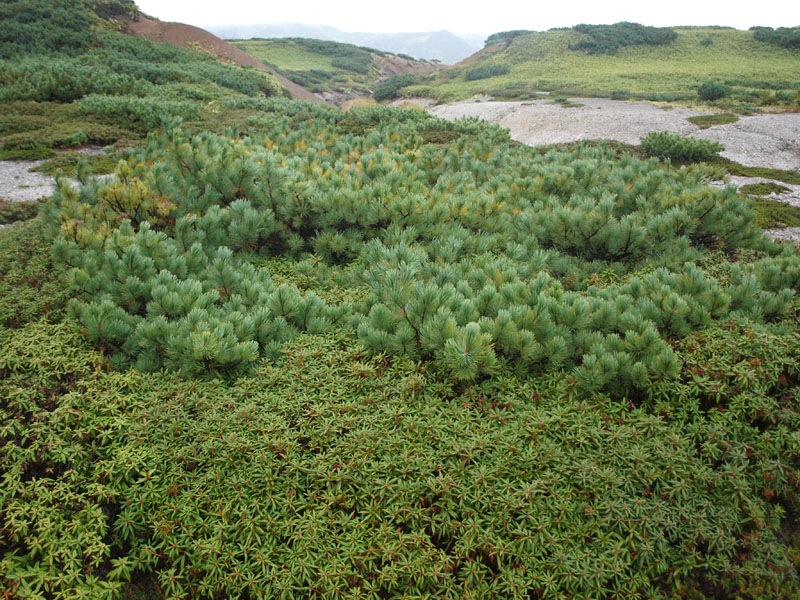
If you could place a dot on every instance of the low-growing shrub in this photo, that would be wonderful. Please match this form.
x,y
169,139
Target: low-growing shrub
x,y
44,26
143,114
706,121
764,188
505,36
315,80
773,214
31,286
61,80
389,88
357,64
608,39
67,163
712,90
62,134
11,212
785,37
428,228
662,144
331,473
485,72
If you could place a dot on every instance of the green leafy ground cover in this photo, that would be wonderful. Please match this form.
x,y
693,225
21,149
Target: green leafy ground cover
x,y
757,74
372,354
706,121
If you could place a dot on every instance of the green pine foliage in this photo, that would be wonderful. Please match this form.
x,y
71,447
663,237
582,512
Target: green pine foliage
x,y
69,78
476,256
389,88
662,144
485,72
785,37
505,36
34,26
607,39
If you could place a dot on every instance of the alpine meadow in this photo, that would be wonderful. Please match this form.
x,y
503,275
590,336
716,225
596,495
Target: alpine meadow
x,y
267,348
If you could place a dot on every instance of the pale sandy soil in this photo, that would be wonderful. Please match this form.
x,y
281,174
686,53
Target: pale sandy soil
x,y
18,183
768,140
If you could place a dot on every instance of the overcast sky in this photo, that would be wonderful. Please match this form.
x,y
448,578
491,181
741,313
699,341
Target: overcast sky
x,y
458,17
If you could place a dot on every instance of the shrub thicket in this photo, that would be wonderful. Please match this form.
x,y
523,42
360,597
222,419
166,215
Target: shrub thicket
x,y
11,212
389,88
343,56
712,90
48,79
118,88
485,72
505,36
607,39
463,265
37,26
785,37
141,114
662,144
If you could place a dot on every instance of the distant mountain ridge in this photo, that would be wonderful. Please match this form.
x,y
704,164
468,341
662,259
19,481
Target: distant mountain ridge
x,y
441,45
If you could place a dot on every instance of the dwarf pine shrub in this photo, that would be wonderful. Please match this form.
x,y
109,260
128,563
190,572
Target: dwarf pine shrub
x,y
473,255
663,144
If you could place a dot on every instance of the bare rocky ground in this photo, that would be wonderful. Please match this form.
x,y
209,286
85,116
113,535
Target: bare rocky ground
x,y
18,183
766,140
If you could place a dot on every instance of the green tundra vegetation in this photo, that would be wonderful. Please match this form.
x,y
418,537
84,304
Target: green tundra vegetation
x,y
68,78
320,65
375,354
754,69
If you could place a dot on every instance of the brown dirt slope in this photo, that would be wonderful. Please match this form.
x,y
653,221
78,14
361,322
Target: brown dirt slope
x,y
391,65
180,34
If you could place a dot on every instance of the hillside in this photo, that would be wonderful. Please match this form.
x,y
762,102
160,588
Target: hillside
x,y
332,70
72,78
756,73
188,36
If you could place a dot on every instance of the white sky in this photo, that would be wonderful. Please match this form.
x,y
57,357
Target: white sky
x,y
457,16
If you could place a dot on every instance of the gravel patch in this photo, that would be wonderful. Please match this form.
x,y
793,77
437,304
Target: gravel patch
x,y
770,140
19,184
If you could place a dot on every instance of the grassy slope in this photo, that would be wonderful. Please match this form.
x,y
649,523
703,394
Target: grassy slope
x,y
313,64
301,63
287,54
40,114
543,61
